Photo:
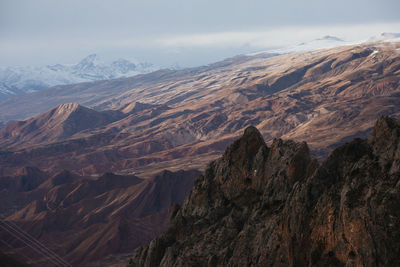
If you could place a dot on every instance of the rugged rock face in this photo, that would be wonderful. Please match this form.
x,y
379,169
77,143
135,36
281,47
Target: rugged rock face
x,y
276,206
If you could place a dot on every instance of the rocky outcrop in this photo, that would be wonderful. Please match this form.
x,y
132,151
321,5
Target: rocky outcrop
x,y
276,206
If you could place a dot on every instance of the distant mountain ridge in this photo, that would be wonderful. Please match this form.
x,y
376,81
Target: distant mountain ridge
x,y
60,122
327,41
27,79
325,97
385,36
180,119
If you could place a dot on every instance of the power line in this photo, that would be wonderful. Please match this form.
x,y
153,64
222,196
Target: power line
x,y
38,242
29,245
29,240
33,244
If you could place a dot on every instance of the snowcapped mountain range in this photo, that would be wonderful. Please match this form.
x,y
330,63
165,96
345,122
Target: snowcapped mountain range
x,y
27,79
17,80
327,41
320,43
20,80
323,42
385,36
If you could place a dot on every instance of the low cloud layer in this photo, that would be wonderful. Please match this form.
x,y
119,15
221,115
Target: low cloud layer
x,y
185,32
281,36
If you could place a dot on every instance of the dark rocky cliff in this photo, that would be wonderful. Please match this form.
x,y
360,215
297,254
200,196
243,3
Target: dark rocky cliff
x,y
276,206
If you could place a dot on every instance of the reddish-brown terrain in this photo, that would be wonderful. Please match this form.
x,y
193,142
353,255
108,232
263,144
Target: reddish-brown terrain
x,y
140,126
93,217
323,97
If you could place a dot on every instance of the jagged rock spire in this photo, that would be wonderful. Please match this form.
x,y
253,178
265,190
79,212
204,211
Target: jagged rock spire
x,y
277,207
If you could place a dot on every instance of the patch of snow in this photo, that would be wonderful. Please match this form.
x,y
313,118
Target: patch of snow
x,y
320,43
373,53
385,36
17,80
394,40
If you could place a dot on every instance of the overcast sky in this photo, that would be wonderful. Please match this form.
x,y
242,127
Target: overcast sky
x,y
186,32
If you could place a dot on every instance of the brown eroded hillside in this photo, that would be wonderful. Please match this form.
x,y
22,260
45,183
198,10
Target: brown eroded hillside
x,y
59,123
323,97
173,120
86,219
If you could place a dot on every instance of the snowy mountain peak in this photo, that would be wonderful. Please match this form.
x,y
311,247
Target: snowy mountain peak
x,y
330,38
90,59
327,41
17,80
322,42
123,65
385,36
390,35
122,61
89,62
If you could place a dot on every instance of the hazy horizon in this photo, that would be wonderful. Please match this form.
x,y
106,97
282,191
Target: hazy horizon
x,y
187,33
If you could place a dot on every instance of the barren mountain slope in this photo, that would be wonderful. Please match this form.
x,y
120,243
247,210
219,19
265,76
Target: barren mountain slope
x,y
323,97
104,94
94,217
179,120
59,123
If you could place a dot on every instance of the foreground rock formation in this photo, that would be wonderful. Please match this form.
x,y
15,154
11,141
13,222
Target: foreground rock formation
x,y
276,206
